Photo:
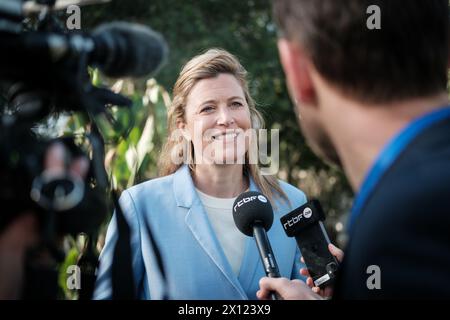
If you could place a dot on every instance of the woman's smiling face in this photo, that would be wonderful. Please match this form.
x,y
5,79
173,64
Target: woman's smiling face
x,y
217,116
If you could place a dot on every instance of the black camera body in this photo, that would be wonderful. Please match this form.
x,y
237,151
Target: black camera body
x,y
35,86
44,71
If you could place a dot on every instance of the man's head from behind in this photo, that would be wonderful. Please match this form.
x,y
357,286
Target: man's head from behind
x,y
372,52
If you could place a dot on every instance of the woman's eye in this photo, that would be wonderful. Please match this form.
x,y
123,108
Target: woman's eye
x,y
207,109
237,104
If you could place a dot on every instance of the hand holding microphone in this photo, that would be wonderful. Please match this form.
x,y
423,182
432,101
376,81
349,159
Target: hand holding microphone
x,y
321,258
253,216
327,291
297,289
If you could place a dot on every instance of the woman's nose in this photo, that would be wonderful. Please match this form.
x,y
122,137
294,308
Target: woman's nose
x,y
225,117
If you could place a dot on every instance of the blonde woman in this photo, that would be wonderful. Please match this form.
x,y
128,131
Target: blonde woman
x,y
205,164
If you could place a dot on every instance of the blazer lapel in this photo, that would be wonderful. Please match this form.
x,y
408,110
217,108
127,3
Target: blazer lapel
x,y
197,221
249,264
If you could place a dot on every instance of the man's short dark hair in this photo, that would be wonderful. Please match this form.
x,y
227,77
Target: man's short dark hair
x,y
406,58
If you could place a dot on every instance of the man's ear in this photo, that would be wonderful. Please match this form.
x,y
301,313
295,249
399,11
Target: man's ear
x,y
297,67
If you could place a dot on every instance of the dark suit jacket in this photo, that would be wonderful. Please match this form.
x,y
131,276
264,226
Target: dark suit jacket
x,y
404,226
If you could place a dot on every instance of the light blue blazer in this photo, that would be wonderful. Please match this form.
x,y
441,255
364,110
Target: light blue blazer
x,y
196,266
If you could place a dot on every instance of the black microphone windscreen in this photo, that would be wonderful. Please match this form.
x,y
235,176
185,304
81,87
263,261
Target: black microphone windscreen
x,y
252,208
128,49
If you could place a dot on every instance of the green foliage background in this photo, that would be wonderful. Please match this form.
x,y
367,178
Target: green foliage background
x,y
246,29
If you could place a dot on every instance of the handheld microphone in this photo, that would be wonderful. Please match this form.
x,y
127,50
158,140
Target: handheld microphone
x,y
253,216
305,224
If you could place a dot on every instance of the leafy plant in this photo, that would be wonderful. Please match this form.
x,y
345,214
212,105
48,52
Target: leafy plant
x,y
133,137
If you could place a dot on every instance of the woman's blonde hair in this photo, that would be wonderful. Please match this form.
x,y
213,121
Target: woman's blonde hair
x,y
209,65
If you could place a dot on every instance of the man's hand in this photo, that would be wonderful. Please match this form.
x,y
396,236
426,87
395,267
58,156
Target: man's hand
x,y
14,242
287,289
327,291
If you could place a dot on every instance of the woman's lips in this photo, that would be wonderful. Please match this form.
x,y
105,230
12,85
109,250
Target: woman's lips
x,y
226,136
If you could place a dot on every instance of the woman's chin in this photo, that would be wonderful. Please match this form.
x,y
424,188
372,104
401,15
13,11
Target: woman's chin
x,y
226,155
230,160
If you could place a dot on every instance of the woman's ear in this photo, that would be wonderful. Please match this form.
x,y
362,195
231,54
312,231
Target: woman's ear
x,y
181,126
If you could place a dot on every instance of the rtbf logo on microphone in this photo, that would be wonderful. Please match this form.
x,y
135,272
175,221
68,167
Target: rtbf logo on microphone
x,y
250,199
307,213
262,199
